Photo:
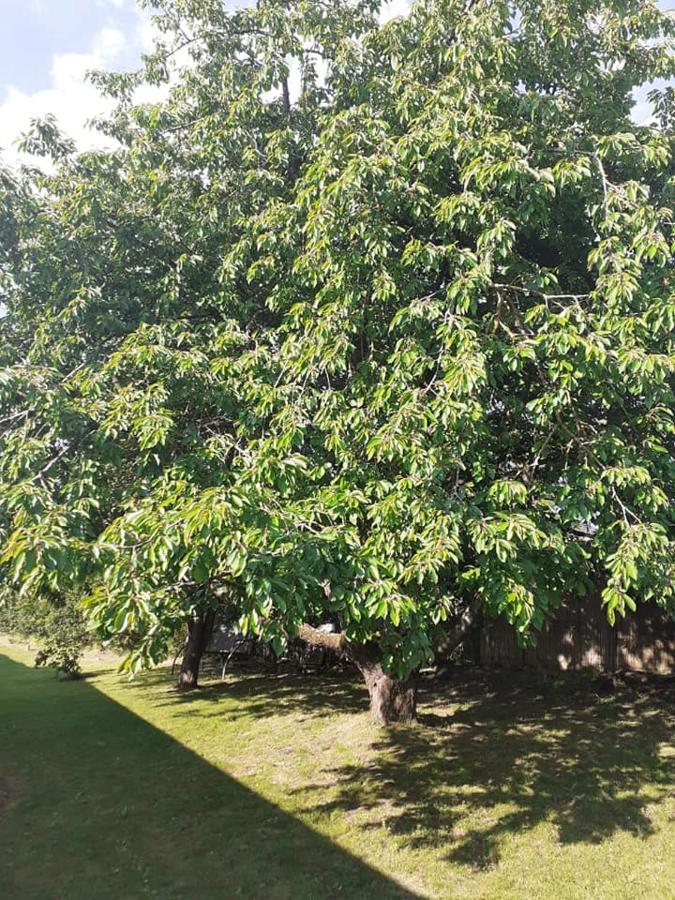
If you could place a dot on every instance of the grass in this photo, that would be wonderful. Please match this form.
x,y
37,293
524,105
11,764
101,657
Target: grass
x,y
280,788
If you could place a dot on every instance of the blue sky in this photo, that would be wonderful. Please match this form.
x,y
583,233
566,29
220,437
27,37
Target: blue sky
x,y
46,46
33,31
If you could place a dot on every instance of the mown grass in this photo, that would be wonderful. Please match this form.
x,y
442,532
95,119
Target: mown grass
x,y
281,787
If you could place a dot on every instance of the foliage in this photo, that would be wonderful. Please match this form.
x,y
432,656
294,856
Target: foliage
x,y
59,627
386,345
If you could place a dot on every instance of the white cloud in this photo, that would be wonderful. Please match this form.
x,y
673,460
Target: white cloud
x,y
643,111
147,33
70,97
393,8
73,101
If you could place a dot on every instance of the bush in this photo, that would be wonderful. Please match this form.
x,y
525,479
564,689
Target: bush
x,y
57,625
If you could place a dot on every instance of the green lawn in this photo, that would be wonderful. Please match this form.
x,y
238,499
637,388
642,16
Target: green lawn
x,y
278,788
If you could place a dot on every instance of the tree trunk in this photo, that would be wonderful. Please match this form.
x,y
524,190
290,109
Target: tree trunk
x,y
391,699
200,629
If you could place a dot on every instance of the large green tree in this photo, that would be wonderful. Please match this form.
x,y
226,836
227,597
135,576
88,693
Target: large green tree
x,y
369,323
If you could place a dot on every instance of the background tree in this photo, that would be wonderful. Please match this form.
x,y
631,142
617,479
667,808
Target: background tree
x,y
369,322
56,623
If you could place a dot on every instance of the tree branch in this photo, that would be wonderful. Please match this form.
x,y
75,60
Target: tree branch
x,y
286,94
338,643
461,631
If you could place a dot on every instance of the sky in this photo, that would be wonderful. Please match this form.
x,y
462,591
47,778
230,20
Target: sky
x,y
46,47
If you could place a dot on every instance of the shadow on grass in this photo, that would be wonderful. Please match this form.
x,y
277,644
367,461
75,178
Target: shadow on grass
x,y
493,756
102,804
259,694
512,756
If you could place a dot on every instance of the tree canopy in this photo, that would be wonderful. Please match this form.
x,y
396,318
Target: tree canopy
x,y
374,322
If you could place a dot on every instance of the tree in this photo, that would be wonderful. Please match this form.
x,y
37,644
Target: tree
x,y
55,622
391,347
118,279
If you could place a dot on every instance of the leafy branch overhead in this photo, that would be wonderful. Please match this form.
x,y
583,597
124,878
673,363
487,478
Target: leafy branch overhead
x,y
373,323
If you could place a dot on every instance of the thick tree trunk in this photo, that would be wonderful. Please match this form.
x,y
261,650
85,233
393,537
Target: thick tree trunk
x,y
200,629
391,699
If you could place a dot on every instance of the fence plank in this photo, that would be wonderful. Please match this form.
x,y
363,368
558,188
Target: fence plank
x,y
579,637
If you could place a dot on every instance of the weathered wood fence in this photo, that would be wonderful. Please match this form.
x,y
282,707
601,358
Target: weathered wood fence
x,y
579,636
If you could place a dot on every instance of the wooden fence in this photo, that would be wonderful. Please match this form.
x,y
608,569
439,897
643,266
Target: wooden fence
x,y
579,636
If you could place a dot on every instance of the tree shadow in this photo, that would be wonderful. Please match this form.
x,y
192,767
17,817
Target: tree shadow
x,y
511,756
260,694
102,804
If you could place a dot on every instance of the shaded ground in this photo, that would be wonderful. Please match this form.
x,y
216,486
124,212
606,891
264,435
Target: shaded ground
x,y
106,805
282,788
